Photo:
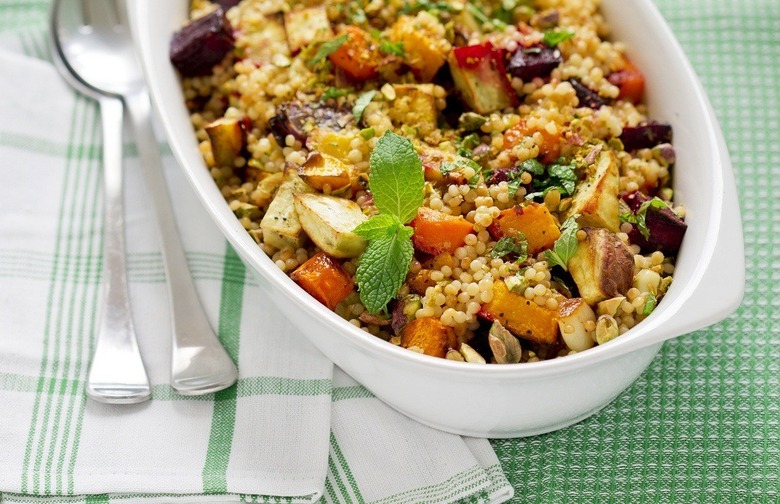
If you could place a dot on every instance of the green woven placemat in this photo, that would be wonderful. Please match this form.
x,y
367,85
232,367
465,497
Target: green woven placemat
x,y
703,423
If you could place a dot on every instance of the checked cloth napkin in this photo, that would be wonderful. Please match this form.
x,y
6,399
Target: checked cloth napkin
x,y
292,430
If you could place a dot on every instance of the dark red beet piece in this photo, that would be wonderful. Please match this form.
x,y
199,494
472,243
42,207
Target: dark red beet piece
x,y
291,119
586,96
201,44
226,4
646,135
666,230
530,62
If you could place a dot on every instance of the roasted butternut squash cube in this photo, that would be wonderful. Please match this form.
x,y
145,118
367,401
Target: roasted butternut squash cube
x,y
424,42
429,335
322,170
524,318
228,138
534,221
436,232
596,198
323,277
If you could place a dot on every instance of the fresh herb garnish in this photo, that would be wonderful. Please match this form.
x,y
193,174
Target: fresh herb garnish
x,y
467,144
457,164
334,92
554,37
566,245
532,166
483,18
397,184
640,218
328,48
650,303
559,176
392,48
426,5
361,103
517,244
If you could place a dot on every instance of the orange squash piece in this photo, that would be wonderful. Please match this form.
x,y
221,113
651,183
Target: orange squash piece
x,y
630,81
323,278
430,335
436,232
358,56
550,148
534,221
524,318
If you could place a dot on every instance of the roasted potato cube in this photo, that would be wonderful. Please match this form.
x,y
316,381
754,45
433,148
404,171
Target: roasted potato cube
x,y
533,220
414,106
429,335
304,26
602,266
322,170
596,198
573,316
262,38
525,319
281,226
266,188
330,221
424,42
323,277
228,138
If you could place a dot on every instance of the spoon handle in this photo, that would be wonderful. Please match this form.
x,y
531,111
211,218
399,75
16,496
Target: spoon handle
x,y
117,373
200,365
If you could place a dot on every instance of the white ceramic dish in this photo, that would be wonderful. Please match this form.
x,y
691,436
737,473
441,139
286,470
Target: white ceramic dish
x,y
523,399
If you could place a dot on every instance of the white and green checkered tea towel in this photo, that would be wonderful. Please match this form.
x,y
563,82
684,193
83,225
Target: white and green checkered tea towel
x,y
288,431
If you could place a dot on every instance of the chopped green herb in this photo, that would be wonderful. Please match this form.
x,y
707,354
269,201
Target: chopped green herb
x,y
392,48
532,166
565,246
650,303
367,133
361,103
426,5
517,244
554,37
328,48
640,218
334,92
397,184
559,176
483,18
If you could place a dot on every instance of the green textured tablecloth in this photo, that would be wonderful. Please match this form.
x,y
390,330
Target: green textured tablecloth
x,y
703,423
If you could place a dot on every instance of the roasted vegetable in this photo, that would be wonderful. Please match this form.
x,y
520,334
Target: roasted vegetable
x,y
646,136
201,44
596,198
323,277
533,220
429,335
404,311
228,138
329,222
280,224
424,43
436,232
665,229
299,119
550,148
331,143
321,170
629,81
537,61
586,96
573,317
524,318
602,266
359,57
304,26
414,106
480,77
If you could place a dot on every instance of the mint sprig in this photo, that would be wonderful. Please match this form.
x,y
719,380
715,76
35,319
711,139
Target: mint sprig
x,y
397,183
328,48
361,103
640,218
565,246
554,37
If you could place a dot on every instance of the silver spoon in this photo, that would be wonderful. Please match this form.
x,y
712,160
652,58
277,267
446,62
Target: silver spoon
x,y
93,50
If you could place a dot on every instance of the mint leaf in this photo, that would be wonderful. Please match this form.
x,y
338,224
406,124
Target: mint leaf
x,y
378,226
554,37
396,178
517,244
532,166
328,48
361,103
392,48
383,267
650,303
640,217
334,92
565,246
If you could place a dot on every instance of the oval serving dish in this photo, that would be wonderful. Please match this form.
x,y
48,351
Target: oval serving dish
x,y
518,399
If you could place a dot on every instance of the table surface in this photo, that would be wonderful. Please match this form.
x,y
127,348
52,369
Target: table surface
x,y
702,424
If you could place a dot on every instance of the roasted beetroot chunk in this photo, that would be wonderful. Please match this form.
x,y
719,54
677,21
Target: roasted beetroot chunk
x,y
530,62
586,96
226,4
666,230
646,136
201,44
298,119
